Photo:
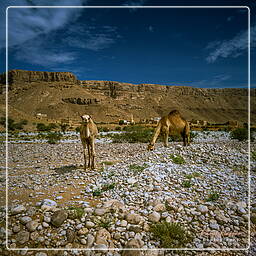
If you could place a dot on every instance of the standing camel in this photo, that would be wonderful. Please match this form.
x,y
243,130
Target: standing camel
x,y
88,133
172,123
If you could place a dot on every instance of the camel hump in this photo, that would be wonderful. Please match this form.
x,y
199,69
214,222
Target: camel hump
x,y
174,112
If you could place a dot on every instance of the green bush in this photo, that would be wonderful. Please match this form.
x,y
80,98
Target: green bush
x,y
121,122
171,235
240,134
41,127
133,134
137,168
53,137
64,127
177,159
12,125
213,197
186,184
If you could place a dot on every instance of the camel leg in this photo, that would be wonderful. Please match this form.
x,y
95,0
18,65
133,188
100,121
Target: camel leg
x,y
93,155
89,155
166,136
184,136
84,157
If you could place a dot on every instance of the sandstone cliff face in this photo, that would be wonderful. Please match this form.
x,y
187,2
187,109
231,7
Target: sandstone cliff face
x,y
22,76
60,95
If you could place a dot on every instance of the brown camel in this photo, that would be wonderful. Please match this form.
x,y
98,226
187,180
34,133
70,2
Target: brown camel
x,y
88,133
172,123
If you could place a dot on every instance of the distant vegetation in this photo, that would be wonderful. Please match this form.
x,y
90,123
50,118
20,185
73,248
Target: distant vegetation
x,y
133,134
41,127
241,134
51,137
13,125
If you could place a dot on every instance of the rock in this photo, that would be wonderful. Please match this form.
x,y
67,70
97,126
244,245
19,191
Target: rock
x,y
100,247
114,204
131,180
103,237
22,237
202,208
25,219
89,224
34,236
90,240
154,217
48,202
32,225
18,209
59,217
100,211
16,228
214,226
134,218
159,208
133,243
71,235
41,254
241,210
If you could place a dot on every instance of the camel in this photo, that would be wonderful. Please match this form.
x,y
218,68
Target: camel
x,y
172,123
88,133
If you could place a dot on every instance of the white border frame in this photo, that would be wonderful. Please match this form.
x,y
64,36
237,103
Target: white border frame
x,y
131,249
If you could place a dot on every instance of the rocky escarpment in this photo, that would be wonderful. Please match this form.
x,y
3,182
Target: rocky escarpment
x,y
59,95
22,76
81,101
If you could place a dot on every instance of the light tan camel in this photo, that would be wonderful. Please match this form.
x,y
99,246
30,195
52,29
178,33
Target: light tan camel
x,y
170,124
88,133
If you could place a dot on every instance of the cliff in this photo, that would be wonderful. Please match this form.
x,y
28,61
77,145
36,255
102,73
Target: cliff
x,y
22,76
59,95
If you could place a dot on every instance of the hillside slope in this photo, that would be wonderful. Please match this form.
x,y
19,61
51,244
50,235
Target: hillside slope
x,y
60,95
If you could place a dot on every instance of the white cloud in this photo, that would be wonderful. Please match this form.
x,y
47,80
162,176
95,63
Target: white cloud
x,y
233,47
216,81
25,24
151,29
91,37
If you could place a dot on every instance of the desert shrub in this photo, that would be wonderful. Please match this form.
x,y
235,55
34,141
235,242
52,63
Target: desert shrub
x,y
253,155
104,188
121,122
214,196
186,184
137,168
240,134
12,125
133,134
41,127
103,129
77,212
177,159
171,235
2,120
118,128
64,127
53,137
77,129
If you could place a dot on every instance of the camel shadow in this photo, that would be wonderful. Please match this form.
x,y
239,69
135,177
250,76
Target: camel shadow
x,y
66,169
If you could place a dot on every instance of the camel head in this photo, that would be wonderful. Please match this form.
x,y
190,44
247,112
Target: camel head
x,y
150,147
86,118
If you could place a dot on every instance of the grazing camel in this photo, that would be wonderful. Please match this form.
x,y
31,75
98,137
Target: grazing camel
x,y
172,123
88,133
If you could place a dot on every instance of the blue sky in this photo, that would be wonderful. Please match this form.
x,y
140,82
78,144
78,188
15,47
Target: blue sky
x,y
199,47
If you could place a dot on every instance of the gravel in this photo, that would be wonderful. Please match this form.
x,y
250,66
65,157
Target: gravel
x,y
54,203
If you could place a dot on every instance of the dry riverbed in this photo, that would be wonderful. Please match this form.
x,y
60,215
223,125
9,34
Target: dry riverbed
x,y
54,203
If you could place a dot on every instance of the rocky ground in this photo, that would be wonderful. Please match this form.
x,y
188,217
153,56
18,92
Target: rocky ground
x,y
54,203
